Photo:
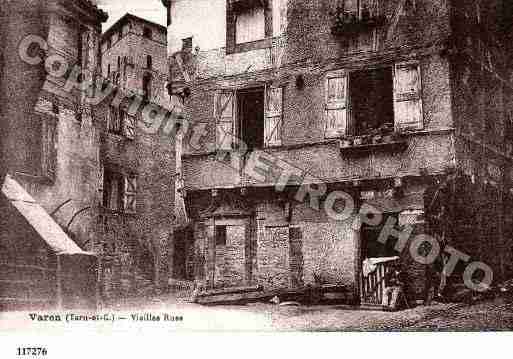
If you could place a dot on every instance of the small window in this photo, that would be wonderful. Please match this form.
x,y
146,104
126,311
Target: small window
x,y
250,25
146,86
49,148
147,33
112,190
115,118
119,191
108,70
119,63
187,44
149,62
220,235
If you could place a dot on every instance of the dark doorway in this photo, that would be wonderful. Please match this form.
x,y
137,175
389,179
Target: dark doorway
x,y
183,264
372,101
371,247
251,117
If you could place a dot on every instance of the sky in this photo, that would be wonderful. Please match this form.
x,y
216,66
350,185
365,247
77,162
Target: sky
x,y
151,10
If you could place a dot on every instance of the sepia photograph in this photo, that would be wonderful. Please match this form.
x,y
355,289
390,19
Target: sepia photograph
x,y
255,166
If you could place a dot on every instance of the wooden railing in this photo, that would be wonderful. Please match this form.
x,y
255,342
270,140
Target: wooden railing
x,y
373,285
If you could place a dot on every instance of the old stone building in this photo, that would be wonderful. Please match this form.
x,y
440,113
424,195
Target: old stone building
x,y
136,215
50,149
380,100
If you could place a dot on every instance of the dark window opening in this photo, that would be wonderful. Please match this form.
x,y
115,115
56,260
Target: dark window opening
x,y
251,118
119,63
187,44
372,101
147,32
112,190
146,86
108,70
220,235
80,49
371,247
149,62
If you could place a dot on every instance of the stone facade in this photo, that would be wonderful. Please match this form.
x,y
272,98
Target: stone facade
x,y
50,142
135,236
410,46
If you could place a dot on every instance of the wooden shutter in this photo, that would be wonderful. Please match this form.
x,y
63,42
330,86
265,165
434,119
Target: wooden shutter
x,y
407,96
49,148
130,194
225,114
129,123
336,113
273,116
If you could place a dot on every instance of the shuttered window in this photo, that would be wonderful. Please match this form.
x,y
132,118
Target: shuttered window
x,y
273,116
129,123
407,96
49,148
225,114
336,112
114,120
130,194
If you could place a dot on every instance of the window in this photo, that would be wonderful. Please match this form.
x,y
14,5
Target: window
x,y
49,148
250,25
365,102
147,33
220,235
108,70
80,48
121,123
119,192
119,63
114,120
146,85
187,44
361,9
253,115
372,103
149,62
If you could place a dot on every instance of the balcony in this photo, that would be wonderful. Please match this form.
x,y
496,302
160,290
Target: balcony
x,y
347,23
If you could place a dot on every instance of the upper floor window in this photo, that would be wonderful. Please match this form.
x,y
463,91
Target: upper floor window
x,y
361,9
252,116
250,25
146,86
49,148
119,191
366,102
187,44
248,21
147,33
149,62
121,123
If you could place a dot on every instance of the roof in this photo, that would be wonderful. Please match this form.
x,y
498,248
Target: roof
x,y
49,231
92,6
125,18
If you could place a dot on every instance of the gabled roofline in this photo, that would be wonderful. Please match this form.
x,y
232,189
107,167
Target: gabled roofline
x,y
124,19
